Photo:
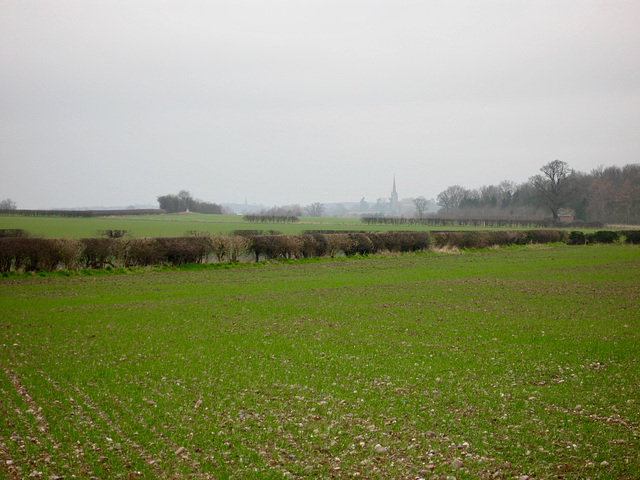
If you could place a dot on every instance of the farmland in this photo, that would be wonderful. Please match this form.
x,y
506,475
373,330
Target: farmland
x,y
165,225
169,225
495,364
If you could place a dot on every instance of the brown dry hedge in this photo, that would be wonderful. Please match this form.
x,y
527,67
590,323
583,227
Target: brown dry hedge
x,y
35,254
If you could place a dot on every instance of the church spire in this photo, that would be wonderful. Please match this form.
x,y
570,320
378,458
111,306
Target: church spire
x,y
394,197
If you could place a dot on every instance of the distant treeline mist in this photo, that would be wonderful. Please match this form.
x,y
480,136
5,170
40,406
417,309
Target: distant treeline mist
x,y
606,195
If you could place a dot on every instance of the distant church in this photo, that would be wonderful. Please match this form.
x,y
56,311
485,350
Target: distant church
x,y
394,206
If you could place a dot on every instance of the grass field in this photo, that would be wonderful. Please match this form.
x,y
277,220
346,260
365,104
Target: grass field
x,y
179,224
166,225
496,364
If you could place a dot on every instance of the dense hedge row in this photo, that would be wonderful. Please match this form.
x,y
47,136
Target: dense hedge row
x,y
250,233
13,232
308,245
271,218
311,232
483,239
631,236
604,236
35,254
437,221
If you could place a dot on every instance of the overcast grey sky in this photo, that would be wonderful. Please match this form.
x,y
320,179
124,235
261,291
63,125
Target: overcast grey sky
x,y
114,102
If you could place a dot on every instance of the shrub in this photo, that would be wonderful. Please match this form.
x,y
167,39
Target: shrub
x,y
477,239
29,254
113,233
271,218
327,232
359,243
228,247
236,247
337,242
313,245
603,236
484,239
631,236
292,246
247,233
441,239
268,246
138,252
9,250
507,237
97,252
13,232
456,239
392,241
43,254
517,237
184,250
544,236
418,241
577,238
69,251
219,247
405,241
376,240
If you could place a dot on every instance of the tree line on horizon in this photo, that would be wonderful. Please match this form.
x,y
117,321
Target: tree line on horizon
x,y
184,202
606,194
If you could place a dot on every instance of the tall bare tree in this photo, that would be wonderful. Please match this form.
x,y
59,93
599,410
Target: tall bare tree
x,y
554,186
315,209
421,204
8,204
452,197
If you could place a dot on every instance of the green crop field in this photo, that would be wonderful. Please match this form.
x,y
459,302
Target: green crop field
x,y
505,363
167,225
170,225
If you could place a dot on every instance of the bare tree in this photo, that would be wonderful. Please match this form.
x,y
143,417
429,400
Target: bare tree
x,y
452,197
283,211
315,209
554,186
421,204
8,204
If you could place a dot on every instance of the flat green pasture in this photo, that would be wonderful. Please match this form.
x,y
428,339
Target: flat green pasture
x,y
496,364
169,225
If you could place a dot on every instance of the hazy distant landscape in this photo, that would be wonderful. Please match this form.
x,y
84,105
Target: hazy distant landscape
x,y
337,240
606,195
467,343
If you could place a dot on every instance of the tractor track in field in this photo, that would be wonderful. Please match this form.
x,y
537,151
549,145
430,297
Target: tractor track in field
x,y
78,416
34,408
616,420
34,437
83,403
7,468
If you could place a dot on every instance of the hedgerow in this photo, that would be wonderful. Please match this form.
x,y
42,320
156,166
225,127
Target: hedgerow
x,y
603,236
631,236
13,232
35,254
577,238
